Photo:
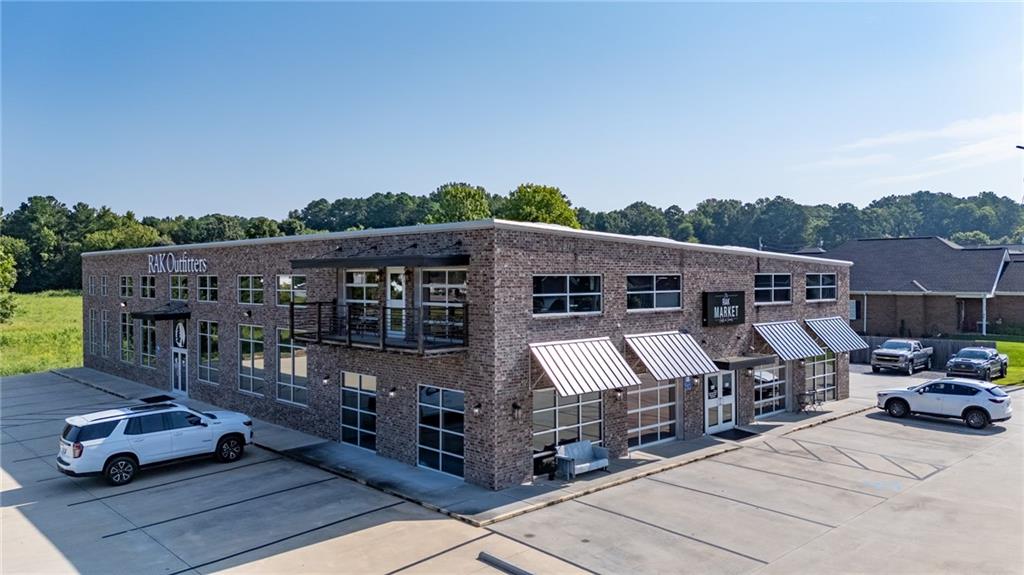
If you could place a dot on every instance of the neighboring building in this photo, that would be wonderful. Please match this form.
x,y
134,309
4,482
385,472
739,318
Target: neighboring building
x,y
930,286
475,348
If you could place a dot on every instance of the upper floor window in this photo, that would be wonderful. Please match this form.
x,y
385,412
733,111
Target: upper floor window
x,y
103,285
179,287
821,287
127,286
147,287
361,286
92,285
773,288
208,288
654,292
564,294
291,288
250,289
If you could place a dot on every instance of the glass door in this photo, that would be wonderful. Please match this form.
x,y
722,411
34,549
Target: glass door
x,y
395,315
179,357
719,401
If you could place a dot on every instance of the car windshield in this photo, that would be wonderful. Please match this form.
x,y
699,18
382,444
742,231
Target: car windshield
x,y
972,354
897,345
996,392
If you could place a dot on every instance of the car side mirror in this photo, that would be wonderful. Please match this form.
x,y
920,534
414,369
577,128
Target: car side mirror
x,y
921,391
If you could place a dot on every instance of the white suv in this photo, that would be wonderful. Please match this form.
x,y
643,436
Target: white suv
x,y
978,403
116,443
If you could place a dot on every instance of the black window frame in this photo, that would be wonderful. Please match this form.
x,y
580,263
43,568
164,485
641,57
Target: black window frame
x,y
567,294
635,300
820,287
773,288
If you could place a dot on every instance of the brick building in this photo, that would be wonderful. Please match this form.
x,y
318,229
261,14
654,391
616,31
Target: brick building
x,y
475,348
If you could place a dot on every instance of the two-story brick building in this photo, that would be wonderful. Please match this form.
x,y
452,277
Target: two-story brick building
x,y
475,348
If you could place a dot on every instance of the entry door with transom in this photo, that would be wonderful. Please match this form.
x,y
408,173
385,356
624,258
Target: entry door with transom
x,y
395,315
719,401
179,357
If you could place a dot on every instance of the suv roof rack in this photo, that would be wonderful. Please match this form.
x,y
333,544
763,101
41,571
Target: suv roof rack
x,y
150,407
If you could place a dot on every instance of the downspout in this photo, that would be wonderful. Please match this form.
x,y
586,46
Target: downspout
x,y
865,314
984,315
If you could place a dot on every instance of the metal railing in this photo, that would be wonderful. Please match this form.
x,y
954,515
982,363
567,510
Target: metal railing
x,y
423,329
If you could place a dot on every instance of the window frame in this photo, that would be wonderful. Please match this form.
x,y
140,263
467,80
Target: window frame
x,y
92,285
828,361
103,285
291,291
442,328
147,349
441,431
250,376
207,293
365,285
359,392
94,335
568,295
654,292
177,291
147,287
291,383
126,286
209,344
105,332
127,339
773,288
239,290
760,404
635,415
557,429
821,287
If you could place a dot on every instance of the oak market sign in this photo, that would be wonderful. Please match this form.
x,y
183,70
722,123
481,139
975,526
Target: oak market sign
x,y
169,263
723,308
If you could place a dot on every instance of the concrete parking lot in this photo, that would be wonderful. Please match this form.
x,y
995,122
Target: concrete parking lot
x,y
865,493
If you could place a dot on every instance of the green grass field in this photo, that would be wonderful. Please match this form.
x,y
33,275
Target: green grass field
x,y
1015,350
46,333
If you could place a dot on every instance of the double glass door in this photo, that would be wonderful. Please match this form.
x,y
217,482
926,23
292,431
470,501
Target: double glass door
x,y
719,401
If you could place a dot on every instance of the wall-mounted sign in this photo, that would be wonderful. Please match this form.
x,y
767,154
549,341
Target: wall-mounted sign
x,y
180,334
723,308
169,263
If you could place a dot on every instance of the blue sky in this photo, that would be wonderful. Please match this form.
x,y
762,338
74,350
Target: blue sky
x,y
257,108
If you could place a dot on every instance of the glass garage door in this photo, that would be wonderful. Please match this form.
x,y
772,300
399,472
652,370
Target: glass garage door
x,y
442,415
770,385
652,411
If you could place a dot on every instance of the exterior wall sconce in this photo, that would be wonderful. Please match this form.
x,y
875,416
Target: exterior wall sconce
x,y
247,313
124,304
750,372
327,380
476,409
517,411
618,394
392,391
802,361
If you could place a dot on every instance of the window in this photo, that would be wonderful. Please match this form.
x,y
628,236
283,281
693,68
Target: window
x,y
769,390
441,429
209,352
179,287
103,285
250,290
250,358
361,286
820,373
965,390
127,286
651,411
564,294
181,420
147,287
105,332
89,432
291,288
821,287
92,285
854,307
292,380
558,420
772,288
359,410
153,423
654,292
94,335
444,300
207,288
127,338
148,351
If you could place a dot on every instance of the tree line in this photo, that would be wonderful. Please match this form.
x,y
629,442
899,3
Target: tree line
x,y
44,238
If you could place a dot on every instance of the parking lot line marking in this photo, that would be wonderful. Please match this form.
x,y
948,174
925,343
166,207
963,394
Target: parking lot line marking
x,y
286,538
439,553
937,427
740,501
239,502
847,455
776,473
854,449
889,459
804,447
544,551
667,530
830,462
232,468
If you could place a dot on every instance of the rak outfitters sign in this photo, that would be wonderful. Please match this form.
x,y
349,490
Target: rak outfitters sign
x,y
723,308
169,263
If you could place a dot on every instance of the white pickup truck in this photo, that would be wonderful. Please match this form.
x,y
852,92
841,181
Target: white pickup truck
x,y
906,355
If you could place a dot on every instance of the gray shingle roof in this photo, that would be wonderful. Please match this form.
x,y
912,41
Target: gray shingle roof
x,y
1013,276
920,265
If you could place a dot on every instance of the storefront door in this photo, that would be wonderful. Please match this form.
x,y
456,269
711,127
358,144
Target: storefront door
x,y
719,401
396,302
179,357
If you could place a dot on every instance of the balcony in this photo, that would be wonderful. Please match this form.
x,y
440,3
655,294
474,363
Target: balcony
x,y
425,329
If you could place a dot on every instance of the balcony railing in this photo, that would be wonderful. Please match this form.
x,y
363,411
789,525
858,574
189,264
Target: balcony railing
x,y
417,329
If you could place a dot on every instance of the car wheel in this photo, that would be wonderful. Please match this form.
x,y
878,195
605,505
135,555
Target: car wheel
x,y
987,376
120,470
897,408
976,419
1002,372
229,449
910,367
875,369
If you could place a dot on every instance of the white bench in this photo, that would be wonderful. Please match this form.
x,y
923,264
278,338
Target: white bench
x,y
580,457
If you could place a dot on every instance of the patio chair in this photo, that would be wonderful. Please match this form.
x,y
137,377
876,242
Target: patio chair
x,y
580,457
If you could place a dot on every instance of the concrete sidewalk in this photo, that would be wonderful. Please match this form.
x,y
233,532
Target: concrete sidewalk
x,y
472,504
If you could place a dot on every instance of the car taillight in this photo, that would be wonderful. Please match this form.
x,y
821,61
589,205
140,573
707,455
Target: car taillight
x,y
76,450
994,400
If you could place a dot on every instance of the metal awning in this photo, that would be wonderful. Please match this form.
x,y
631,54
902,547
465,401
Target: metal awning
x,y
583,365
837,334
670,355
383,261
788,340
172,310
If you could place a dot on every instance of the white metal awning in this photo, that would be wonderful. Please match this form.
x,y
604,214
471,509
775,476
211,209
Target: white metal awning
x,y
788,340
837,334
670,355
583,365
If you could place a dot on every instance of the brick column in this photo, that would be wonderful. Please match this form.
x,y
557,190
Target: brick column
x,y
842,376
616,423
693,409
797,384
